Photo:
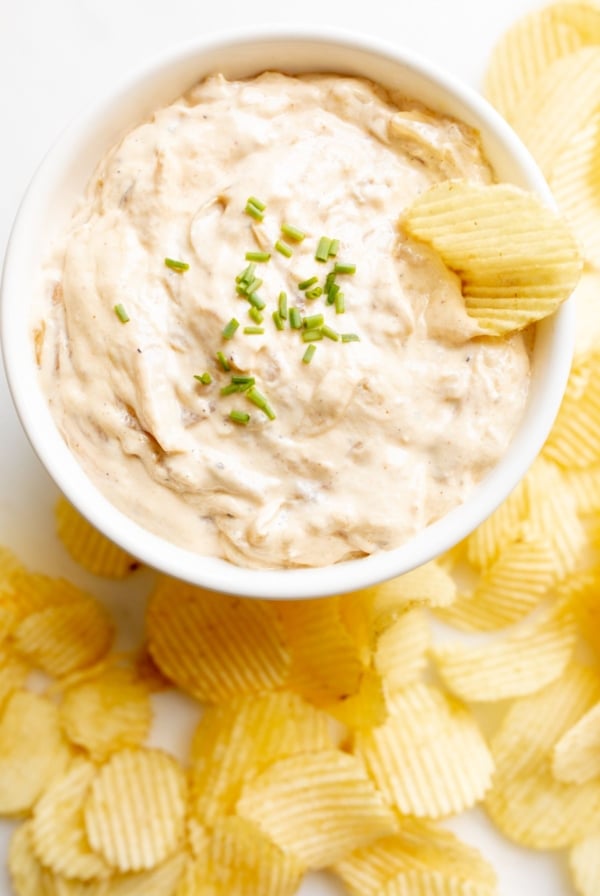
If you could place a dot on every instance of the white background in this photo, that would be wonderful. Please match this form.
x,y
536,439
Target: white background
x,y
56,57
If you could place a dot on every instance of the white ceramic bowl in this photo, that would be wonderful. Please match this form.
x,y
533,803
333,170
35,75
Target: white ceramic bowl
x,y
61,179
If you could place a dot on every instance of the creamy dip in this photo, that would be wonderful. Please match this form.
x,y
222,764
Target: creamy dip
x,y
373,439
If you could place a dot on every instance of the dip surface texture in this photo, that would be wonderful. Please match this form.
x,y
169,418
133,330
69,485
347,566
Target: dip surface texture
x,y
373,439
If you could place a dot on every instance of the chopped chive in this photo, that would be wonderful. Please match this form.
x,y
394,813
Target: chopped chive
x,y
253,211
256,315
239,417
257,203
292,233
179,266
278,320
322,253
247,274
204,378
306,283
258,256
334,248
312,321
344,268
340,303
223,361
254,331
330,334
230,388
256,300
243,380
312,335
329,282
282,305
261,402
230,328
350,337
241,289
284,249
333,291
254,284
314,293
121,313
308,354
295,319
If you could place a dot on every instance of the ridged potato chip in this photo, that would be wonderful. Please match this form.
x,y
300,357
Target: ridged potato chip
x,y
62,639
429,758
13,674
532,44
246,862
521,663
58,832
214,646
26,872
574,442
32,750
401,650
32,592
366,707
584,485
516,259
433,883
159,881
195,880
135,809
501,528
88,547
582,591
429,585
235,741
576,756
316,806
57,885
587,316
106,713
584,862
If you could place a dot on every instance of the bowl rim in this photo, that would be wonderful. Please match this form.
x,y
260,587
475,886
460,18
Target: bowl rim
x,y
210,572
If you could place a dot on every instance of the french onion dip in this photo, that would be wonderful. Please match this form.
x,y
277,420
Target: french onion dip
x,y
355,401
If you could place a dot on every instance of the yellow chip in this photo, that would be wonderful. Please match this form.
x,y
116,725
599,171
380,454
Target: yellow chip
x,y
519,664
575,182
234,741
582,591
491,537
58,832
516,259
106,713
135,809
554,517
560,103
584,862
366,707
195,880
576,756
433,883
247,862
526,801
148,672
587,315
532,44
429,758
400,654
316,806
63,639
34,592
585,488
428,586
26,873
508,591
575,438
214,646
32,750
13,674
421,848
90,548
159,881
326,662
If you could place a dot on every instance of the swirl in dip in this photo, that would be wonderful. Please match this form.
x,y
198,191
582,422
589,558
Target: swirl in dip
x,y
374,438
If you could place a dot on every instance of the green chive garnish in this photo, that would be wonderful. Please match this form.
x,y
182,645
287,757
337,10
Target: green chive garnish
x,y
258,256
344,268
254,284
334,248
314,293
256,300
350,337
312,321
322,253
312,335
295,319
256,315
306,283
230,388
239,417
308,354
340,303
261,402
243,380
277,320
121,313
230,328
329,282
330,334
204,378
257,203
179,266
292,233
247,275
253,211
284,249
282,305
223,361
254,331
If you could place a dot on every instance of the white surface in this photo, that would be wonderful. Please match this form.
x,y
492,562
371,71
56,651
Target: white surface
x,y
56,55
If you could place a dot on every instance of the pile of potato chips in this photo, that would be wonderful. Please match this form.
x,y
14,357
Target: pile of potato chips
x,y
338,733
